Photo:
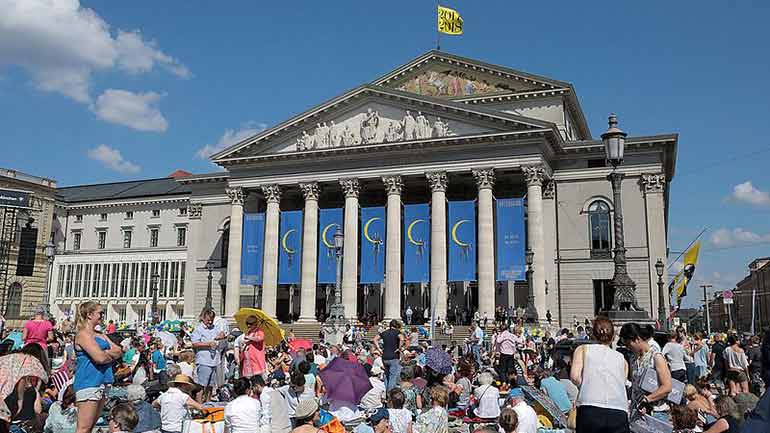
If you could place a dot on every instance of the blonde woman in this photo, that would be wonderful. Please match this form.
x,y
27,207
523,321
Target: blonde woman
x,y
95,354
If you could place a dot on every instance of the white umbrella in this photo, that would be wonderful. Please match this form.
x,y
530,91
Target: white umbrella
x,y
168,339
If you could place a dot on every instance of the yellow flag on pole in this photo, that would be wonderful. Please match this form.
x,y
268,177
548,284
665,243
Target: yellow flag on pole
x,y
449,21
682,279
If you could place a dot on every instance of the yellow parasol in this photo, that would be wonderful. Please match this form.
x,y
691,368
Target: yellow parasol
x,y
273,332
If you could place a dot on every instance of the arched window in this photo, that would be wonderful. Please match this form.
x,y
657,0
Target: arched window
x,y
600,228
13,310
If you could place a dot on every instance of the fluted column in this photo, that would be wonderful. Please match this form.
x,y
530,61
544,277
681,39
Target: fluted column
x,y
485,181
535,176
438,266
270,261
350,249
233,297
392,293
309,252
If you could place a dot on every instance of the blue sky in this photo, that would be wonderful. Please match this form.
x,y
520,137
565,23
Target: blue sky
x,y
95,91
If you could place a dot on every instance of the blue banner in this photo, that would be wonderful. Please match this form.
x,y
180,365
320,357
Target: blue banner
x,y
416,243
372,245
329,220
290,247
509,242
252,248
461,237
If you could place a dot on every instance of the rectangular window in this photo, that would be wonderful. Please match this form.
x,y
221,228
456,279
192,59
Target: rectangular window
x,y
101,239
154,237
103,217
76,240
141,314
181,236
181,278
87,281
123,280
105,280
115,280
132,282
143,280
163,283
174,279
127,238
162,313
603,295
60,282
182,211
129,215
78,218
68,288
156,213
121,314
96,281
78,279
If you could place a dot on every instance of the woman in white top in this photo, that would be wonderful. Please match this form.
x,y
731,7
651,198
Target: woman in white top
x,y
173,403
737,367
242,415
600,373
488,398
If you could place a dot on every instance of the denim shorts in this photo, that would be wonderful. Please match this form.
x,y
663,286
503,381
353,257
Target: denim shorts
x,y
94,393
206,375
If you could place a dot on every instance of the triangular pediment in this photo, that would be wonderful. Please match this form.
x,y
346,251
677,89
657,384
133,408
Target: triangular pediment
x,y
372,115
443,75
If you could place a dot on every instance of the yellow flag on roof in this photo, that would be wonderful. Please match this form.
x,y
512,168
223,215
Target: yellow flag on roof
x,y
449,21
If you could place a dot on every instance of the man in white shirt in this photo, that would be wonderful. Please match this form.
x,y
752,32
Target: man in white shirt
x,y
275,411
243,414
527,416
374,397
477,338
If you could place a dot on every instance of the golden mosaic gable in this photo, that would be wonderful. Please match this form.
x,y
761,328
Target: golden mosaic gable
x,y
452,83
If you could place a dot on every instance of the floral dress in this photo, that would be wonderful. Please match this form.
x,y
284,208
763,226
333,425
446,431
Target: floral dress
x,y
436,420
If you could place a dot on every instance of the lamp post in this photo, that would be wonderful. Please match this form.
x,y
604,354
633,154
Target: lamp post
x,y
530,314
624,304
338,309
210,269
50,254
154,289
659,268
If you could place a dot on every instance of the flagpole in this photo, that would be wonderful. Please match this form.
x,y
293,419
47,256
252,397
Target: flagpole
x,y
438,33
688,247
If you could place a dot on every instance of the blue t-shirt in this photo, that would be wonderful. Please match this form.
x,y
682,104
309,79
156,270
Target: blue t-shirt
x,y
207,357
558,393
159,360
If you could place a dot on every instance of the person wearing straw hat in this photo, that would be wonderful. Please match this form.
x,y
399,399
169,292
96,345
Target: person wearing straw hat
x,y
173,404
306,416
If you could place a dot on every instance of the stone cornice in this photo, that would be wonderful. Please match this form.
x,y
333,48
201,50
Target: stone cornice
x,y
513,96
119,203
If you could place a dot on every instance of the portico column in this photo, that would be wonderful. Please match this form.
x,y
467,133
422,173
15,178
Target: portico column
x,y
233,297
438,266
392,293
535,176
309,252
350,249
485,180
270,260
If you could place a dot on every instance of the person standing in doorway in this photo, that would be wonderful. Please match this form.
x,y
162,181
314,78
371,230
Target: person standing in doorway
x,y
392,343
409,315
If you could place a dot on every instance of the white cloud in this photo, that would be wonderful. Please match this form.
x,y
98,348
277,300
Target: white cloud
x,y
61,44
747,193
231,137
135,110
726,238
112,159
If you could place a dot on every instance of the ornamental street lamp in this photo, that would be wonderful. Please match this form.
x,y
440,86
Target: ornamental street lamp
x,y
338,309
210,269
154,289
659,268
530,314
625,288
50,254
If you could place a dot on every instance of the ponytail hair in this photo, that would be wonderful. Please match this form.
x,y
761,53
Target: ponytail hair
x,y
84,310
604,330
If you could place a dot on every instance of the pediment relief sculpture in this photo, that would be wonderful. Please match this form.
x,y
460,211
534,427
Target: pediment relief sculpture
x,y
369,127
451,83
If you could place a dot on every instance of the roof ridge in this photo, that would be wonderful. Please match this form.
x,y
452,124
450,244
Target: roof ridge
x,y
114,183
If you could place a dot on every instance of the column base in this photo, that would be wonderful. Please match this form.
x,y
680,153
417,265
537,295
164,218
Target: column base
x,y
307,320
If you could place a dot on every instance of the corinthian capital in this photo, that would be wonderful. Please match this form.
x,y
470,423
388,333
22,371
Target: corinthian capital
x,y
393,184
194,211
272,193
310,190
350,186
437,180
236,195
549,189
534,174
652,183
485,177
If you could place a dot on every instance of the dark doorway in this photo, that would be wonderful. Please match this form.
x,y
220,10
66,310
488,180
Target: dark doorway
x,y
603,295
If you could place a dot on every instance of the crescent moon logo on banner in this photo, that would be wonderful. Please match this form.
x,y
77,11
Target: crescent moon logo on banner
x,y
284,239
366,231
324,239
409,233
454,234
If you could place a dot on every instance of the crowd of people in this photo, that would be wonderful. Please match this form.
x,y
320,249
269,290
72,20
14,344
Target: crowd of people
x,y
506,376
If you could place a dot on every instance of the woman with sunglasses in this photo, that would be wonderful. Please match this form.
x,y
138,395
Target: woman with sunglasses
x,y
253,362
95,354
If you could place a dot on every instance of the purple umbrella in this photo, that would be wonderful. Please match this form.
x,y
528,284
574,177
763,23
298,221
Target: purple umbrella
x,y
345,381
